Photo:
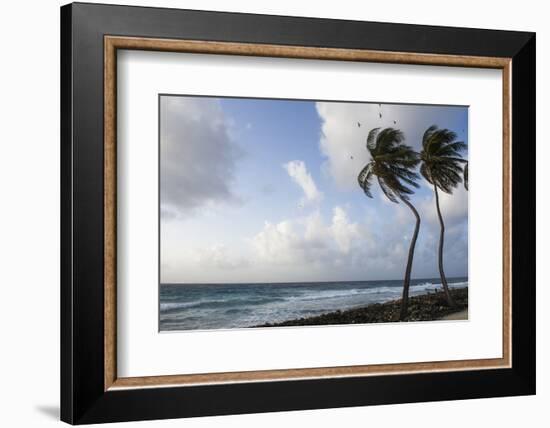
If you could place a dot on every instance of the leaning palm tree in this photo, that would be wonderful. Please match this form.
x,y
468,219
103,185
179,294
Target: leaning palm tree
x,y
393,163
441,165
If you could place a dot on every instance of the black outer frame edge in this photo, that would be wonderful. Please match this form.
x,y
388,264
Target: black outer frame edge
x,y
300,31
83,398
66,306
524,218
168,403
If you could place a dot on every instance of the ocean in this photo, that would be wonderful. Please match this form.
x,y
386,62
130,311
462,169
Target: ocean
x,y
225,306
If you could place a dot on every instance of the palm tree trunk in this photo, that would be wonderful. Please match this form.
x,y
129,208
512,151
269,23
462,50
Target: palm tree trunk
x,y
440,255
407,280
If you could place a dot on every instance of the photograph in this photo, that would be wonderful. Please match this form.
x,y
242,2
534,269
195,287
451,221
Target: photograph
x,y
278,212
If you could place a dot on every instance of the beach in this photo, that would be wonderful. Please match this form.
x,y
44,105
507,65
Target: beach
x,y
426,307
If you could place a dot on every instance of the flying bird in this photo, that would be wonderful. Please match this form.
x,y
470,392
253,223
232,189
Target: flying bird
x,y
351,157
380,114
358,125
394,122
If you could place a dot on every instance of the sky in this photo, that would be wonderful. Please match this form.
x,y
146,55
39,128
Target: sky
x,y
263,190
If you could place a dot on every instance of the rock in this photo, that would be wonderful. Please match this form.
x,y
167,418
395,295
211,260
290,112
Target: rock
x,y
427,307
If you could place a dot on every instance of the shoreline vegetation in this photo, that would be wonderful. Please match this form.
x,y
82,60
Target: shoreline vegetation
x,y
426,307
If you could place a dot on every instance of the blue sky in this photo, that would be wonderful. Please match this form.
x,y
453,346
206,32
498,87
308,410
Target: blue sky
x,y
265,191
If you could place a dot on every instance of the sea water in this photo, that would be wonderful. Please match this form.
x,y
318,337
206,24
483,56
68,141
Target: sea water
x,y
223,306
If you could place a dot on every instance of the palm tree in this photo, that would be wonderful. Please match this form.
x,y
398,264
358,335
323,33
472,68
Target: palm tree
x,y
466,176
393,163
441,165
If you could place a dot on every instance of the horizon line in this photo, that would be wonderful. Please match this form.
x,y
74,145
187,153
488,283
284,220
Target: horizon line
x,y
304,282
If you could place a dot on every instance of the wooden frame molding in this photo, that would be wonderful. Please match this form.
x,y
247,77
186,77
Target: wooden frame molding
x,y
113,43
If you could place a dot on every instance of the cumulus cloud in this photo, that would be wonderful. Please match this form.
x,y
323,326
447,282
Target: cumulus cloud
x,y
197,155
297,170
278,243
309,239
336,247
343,231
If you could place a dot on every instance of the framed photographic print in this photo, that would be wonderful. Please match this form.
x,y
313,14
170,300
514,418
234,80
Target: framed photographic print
x,y
266,213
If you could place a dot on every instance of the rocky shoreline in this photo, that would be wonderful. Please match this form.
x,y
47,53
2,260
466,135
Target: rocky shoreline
x,y
427,307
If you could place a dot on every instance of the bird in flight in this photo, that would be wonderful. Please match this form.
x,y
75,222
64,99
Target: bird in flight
x,y
358,125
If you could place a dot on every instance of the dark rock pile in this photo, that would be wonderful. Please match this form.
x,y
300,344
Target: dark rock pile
x,y
427,307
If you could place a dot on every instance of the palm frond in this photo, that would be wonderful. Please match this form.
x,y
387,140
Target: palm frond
x,y
386,189
404,174
453,149
364,179
441,158
371,140
392,163
425,172
427,135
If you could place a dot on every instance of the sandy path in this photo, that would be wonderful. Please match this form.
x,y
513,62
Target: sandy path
x,y
462,315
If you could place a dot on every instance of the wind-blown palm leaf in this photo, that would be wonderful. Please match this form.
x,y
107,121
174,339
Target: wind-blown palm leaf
x,y
389,139
387,190
392,162
371,139
427,135
441,158
466,176
364,179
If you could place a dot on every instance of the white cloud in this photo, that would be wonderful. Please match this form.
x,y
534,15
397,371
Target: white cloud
x,y
343,231
454,206
219,256
325,249
343,141
197,155
297,170
277,243
309,240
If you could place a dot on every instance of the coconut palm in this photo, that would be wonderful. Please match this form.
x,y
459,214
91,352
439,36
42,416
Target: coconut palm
x,y
441,166
392,164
